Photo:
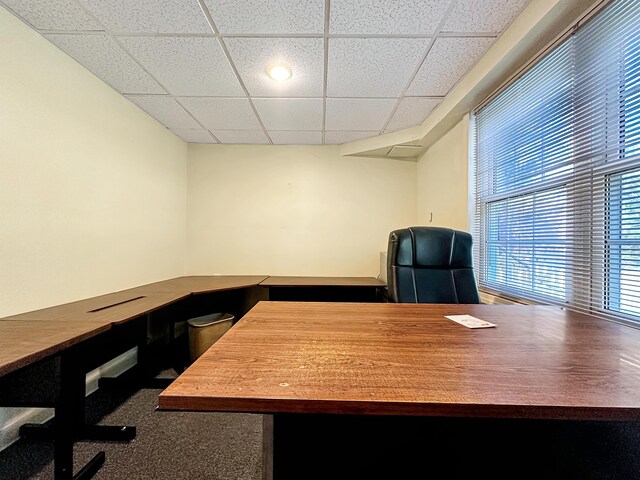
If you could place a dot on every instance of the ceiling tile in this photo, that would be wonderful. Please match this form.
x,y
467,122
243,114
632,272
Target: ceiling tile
x,y
149,16
166,110
194,135
106,59
385,17
52,14
482,15
447,62
358,113
267,16
186,65
305,57
241,136
290,113
282,137
222,113
372,67
411,111
337,138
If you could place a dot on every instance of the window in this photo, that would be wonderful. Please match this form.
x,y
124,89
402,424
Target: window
x,y
558,173
623,292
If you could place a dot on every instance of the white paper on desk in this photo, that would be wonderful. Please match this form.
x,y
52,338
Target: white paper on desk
x,y
469,321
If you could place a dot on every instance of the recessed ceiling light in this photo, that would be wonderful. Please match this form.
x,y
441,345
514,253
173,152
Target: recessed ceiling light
x,y
280,73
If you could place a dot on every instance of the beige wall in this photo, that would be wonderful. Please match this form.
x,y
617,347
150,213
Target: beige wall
x,y
293,210
92,190
443,176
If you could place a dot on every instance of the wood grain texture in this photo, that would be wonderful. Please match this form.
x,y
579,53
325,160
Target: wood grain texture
x,y
322,282
407,359
23,343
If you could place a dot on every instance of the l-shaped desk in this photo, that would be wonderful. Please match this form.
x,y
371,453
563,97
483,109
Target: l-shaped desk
x,y
385,390
400,373
45,354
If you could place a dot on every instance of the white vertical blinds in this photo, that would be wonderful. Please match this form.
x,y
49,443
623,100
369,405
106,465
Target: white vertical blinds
x,y
558,173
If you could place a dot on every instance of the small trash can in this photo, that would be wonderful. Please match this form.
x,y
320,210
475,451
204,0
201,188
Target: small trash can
x,y
206,330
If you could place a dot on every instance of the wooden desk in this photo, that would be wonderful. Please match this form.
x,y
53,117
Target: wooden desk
x,y
43,363
383,360
539,362
45,354
119,307
31,336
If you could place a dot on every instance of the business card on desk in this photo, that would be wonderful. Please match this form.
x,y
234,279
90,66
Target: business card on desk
x,y
469,321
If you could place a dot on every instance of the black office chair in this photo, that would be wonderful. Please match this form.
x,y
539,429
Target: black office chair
x,y
430,265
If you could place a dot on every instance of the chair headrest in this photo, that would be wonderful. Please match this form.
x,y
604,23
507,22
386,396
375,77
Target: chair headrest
x,y
431,247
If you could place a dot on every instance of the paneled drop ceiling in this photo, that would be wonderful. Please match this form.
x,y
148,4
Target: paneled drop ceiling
x,y
360,67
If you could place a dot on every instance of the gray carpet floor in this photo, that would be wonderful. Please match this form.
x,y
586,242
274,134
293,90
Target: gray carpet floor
x,y
225,446
168,445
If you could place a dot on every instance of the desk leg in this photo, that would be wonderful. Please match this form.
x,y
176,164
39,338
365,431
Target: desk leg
x,y
63,462
62,449
69,423
267,447
70,410
69,419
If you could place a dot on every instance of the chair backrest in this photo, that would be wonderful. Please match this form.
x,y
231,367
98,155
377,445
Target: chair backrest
x,y
430,265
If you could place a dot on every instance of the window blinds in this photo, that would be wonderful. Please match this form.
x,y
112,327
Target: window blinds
x,y
558,173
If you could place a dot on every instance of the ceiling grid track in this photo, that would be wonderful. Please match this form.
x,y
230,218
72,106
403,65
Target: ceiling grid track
x,y
327,12
419,66
123,47
188,92
207,14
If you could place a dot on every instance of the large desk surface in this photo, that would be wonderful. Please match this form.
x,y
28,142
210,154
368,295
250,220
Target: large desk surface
x,y
407,359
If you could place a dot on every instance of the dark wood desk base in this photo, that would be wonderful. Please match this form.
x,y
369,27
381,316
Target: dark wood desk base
x,y
373,447
324,294
324,289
